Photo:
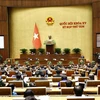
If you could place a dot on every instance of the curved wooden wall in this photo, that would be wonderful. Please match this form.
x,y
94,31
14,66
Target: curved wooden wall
x,y
5,4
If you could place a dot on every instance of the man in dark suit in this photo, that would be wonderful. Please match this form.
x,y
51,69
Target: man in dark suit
x,y
59,74
43,76
18,78
78,90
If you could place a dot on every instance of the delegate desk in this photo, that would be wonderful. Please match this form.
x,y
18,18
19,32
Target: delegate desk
x,y
52,97
91,90
53,90
56,90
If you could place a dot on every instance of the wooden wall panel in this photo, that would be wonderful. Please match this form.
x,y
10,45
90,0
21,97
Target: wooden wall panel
x,y
45,3
96,29
95,1
4,53
96,9
42,3
3,13
75,2
4,31
94,39
50,3
3,28
6,43
0,13
0,28
96,25
11,3
81,2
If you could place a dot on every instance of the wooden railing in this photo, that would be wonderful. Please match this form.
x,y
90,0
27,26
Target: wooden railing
x,y
43,58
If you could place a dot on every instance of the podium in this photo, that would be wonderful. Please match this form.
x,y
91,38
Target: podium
x,y
50,44
50,48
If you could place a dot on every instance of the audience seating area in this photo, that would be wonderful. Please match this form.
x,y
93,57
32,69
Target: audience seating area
x,y
49,85
92,86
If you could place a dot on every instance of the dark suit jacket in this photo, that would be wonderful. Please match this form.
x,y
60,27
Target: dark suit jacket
x,y
57,75
43,78
60,75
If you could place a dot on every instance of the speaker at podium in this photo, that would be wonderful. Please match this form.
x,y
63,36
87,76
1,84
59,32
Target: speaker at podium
x,y
50,45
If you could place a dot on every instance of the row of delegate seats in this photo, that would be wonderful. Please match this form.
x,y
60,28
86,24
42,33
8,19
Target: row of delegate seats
x,y
67,72
42,90
50,79
53,79
47,97
29,73
36,90
48,83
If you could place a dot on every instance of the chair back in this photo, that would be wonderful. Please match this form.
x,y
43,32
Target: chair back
x,y
56,79
53,72
67,90
93,70
82,79
28,73
0,72
5,91
3,76
63,83
38,90
10,79
98,92
92,83
32,79
69,72
17,83
98,75
12,73
42,83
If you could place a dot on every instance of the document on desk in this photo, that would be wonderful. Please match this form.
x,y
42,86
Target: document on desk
x,y
80,97
18,98
46,97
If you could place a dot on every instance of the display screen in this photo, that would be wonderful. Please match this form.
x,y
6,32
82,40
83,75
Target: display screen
x,y
1,42
98,39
